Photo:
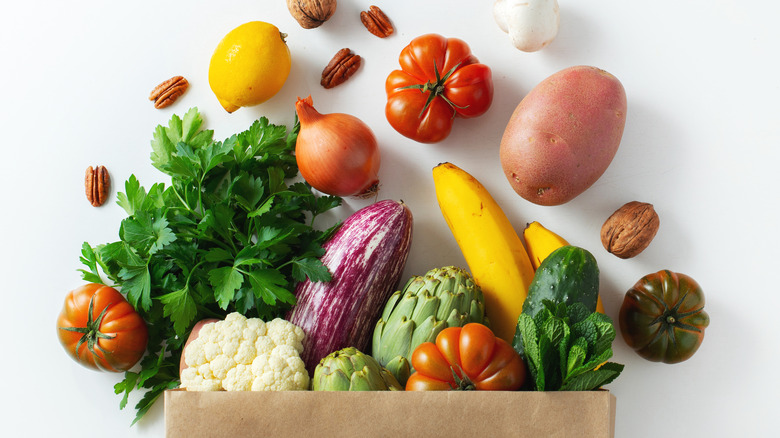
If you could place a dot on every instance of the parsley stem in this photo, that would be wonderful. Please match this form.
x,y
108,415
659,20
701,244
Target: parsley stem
x,y
185,204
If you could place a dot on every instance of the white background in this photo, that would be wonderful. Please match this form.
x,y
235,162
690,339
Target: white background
x,y
700,143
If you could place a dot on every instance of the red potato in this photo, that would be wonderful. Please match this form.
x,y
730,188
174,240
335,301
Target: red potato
x,y
193,335
564,134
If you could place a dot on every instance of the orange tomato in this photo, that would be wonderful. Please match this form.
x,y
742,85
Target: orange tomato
x,y
466,358
99,329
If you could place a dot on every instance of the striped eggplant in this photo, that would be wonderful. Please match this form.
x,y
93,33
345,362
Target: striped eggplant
x,y
366,257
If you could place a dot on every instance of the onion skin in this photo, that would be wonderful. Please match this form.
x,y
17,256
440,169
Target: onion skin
x,y
336,153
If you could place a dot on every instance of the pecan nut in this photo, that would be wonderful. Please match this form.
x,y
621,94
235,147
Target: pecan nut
x,y
340,68
630,229
377,22
165,94
97,185
311,13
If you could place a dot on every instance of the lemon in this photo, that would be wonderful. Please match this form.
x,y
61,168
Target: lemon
x,y
249,66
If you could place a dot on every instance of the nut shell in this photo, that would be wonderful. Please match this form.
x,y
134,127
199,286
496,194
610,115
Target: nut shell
x,y
311,13
630,229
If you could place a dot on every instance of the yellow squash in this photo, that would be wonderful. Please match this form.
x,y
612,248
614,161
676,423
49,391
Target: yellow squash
x,y
541,242
494,252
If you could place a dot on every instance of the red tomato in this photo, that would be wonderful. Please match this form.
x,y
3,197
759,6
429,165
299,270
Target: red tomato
x,y
100,329
439,79
471,357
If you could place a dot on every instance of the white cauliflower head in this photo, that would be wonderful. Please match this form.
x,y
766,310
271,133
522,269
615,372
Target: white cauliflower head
x,y
243,354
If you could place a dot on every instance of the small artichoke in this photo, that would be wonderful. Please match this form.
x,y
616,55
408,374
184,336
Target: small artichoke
x,y
443,297
349,369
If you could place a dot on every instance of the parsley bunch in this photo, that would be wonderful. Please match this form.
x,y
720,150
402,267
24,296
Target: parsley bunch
x,y
228,234
567,347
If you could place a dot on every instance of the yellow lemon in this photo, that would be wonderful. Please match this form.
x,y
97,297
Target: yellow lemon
x,y
249,66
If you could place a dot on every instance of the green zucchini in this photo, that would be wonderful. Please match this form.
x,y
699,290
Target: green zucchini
x,y
568,275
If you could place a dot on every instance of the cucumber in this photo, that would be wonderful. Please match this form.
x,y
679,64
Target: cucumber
x,y
570,275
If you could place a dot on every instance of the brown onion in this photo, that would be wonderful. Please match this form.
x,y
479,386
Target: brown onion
x,y
336,153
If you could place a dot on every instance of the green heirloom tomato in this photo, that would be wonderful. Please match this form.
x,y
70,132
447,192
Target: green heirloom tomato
x,y
663,317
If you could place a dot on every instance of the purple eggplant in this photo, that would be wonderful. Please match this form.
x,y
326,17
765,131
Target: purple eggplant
x,y
366,257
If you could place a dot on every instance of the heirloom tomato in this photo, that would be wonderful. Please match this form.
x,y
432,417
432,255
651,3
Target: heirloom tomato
x,y
99,329
466,358
439,79
663,317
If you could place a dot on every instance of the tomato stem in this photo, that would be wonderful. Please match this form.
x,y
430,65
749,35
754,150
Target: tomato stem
x,y
461,383
436,89
91,333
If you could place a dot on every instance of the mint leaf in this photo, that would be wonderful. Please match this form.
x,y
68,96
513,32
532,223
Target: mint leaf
x,y
566,347
593,379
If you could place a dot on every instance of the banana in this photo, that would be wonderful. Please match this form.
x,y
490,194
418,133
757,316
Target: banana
x,y
494,252
541,242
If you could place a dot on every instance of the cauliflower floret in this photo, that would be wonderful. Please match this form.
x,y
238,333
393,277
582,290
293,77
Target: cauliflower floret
x,y
281,370
284,332
239,378
196,382
246,353
242,354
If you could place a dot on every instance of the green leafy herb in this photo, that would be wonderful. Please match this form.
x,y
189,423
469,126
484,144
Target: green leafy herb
x,y
566,348
229,233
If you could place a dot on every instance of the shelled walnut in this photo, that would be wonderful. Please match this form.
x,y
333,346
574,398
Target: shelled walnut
x,y
630,229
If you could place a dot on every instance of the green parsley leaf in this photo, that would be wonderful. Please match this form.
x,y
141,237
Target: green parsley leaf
x,y
268,284
232,231
226,281
311,268
89,259
181,307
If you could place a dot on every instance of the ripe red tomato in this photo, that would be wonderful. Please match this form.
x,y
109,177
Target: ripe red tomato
x,y
100,329
471,357
439,79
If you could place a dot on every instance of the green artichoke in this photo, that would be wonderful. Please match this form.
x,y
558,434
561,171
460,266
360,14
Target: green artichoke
x,y
350,370
443,297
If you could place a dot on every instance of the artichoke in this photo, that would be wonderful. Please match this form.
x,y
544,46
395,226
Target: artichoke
x,y
443,297
349,369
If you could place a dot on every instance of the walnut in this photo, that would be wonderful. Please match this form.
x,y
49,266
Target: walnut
x,y
311,13
630,229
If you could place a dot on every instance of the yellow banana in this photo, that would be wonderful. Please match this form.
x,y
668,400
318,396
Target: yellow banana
x,y
492,249
541,242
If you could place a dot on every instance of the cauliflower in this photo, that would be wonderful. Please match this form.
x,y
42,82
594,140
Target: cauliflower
x,y
245,354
